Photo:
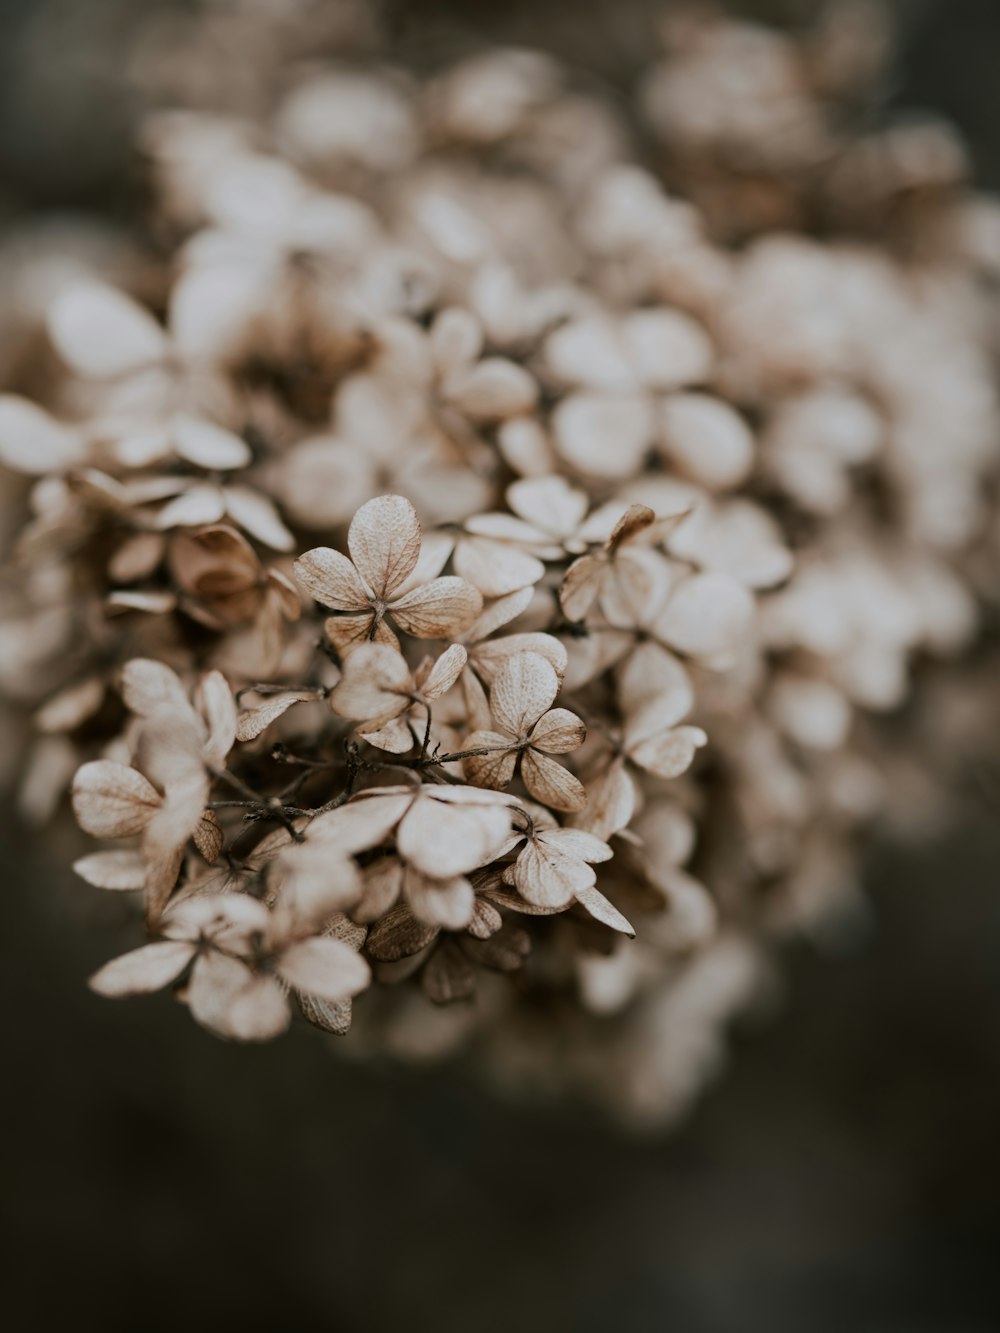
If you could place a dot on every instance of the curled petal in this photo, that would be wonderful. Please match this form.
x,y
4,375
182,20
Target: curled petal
x,y
256,720
668,754
581,584
445,671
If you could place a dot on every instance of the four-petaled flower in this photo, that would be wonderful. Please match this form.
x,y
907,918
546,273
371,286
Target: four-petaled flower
x,y
527,729
381,579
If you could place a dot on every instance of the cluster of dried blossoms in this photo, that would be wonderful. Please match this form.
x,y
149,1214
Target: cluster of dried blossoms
x,y
630,534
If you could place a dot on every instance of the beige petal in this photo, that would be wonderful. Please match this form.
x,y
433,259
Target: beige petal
x,y
376,683
550,783
497,613
256,720
216,982
66,710
143,970
147,686
137,557
33,442
445,671
443,837
315,879
201,504
610,802
384,542
364,822
604,436
331,579
652,672
523,689
439,609
493,389
259,1012
101,333
576,843
209,446
581,584
668,753
558,731
489,656
545,877
214,700
398,935
494,770
477,707
394,735
256,514
446,903
604,911
636,585
382,883
494,568
550,503
709,615
328,968
112,870
112,801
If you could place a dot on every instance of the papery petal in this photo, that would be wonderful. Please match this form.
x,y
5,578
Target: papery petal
x,y
496,569
113,801
100,332
445,671
398,935
143,970
523,689
384,542
255,513
558,731
119,870
443,837
331,579
439,609
550,503
376,683
668,753
446,903
550,783
594,902
490,770
328,968
547,878
209,446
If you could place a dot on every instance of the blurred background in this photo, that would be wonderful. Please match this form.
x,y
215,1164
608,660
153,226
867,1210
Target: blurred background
x,y
845,1172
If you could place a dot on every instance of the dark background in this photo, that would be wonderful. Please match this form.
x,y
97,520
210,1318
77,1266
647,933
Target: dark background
x,y
844,1175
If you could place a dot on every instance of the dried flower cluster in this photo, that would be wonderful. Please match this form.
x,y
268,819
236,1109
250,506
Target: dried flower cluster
x,y
625,534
